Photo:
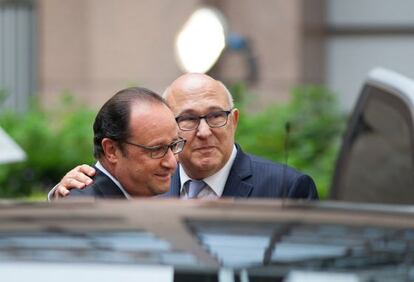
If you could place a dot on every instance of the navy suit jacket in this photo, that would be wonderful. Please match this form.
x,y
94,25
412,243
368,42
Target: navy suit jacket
x,y
101,187
254,177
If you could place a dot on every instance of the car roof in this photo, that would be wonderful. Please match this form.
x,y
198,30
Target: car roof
x,y
262,236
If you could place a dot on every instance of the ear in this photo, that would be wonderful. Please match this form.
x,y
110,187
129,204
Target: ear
x,y
235,117
111,150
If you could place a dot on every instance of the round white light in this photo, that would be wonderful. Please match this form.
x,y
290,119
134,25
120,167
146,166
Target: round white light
x,y
201,40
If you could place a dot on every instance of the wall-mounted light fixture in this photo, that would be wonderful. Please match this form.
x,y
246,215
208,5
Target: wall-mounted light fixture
x,y
242,46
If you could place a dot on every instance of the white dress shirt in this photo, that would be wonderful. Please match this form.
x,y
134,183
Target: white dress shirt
x,y
215,182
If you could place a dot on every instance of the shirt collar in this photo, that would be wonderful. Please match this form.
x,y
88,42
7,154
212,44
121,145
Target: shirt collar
x,y
216,181
99,166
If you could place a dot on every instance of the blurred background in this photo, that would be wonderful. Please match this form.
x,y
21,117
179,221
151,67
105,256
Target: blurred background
x,y
296,61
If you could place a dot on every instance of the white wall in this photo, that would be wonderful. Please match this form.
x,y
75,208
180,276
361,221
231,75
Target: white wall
x,y
349,57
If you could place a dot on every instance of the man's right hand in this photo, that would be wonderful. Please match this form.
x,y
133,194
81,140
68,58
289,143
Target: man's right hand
x,y
78,178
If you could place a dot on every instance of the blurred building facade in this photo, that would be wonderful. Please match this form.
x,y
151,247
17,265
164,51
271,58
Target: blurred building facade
x,y
93,48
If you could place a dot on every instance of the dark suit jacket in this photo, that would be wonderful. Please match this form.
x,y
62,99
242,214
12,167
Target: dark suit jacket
x,y
254,177
101,187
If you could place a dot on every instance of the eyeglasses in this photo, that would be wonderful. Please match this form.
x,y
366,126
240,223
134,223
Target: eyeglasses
x,y
215,119
158,152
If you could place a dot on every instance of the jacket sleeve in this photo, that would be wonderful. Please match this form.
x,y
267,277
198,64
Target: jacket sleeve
x,y
304,188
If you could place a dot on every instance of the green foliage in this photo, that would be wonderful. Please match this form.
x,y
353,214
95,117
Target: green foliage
x,y
314,136
55,141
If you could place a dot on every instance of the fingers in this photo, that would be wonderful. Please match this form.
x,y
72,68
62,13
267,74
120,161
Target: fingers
x,y
86,169
76,178
60,192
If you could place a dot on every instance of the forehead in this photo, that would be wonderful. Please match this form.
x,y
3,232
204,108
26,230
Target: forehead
x,y
152,123
198,98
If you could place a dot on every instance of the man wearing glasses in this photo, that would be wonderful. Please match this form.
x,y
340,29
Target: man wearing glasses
x,y
212,165
135,142
207,119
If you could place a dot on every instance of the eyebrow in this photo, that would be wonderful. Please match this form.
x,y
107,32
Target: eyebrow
x,y
164,144
193,112
158,144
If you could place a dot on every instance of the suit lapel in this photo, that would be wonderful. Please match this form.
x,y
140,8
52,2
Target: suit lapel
x,y
236,184
175,184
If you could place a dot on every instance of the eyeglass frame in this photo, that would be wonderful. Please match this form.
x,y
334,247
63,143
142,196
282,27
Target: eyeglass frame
x,y
154,148
199,118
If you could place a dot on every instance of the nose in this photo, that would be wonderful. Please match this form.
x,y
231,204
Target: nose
x,y
169,160
203,129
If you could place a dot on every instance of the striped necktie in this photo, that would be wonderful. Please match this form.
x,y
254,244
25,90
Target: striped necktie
x,y
194,188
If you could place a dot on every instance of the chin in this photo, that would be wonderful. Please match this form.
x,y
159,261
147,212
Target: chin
x,y
206,165
162,190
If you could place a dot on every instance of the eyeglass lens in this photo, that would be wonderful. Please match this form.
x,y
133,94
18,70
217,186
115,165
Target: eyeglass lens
x,y
176,147
213,119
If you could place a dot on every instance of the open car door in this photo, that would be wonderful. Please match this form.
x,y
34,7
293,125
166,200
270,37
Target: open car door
x,y
376,161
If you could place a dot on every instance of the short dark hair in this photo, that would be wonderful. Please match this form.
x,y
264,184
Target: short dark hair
x,y
112,120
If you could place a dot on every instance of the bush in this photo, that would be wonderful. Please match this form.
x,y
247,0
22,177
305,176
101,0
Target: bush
x,y
305,133
55,141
